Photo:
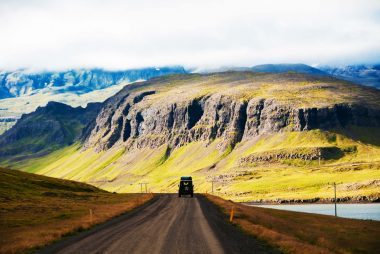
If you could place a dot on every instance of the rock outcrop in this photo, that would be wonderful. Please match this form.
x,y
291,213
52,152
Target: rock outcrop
x,y
133,120
305,153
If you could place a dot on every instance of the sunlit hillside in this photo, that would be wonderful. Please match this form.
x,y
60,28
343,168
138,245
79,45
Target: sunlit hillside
x,y
274,162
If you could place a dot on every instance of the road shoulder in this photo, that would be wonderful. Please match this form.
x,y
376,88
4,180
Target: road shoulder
x,y
232,237
75,237
296,232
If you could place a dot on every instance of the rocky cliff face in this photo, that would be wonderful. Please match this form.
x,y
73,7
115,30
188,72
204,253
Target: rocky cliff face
x,y
135,119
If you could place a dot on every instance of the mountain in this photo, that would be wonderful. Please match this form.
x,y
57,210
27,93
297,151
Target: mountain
x,y
255,135
368,75
268,68
48,128
282,68
23,91
19,83
187,113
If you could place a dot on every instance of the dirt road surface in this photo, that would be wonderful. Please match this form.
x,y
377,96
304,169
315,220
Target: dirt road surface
x,y
167,224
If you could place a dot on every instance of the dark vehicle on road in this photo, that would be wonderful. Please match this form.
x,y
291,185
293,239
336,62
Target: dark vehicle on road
x,y
186,186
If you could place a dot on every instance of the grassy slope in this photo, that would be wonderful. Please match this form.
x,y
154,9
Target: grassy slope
x,y
71,127
120,171
304,233
116,170
296,90
36,210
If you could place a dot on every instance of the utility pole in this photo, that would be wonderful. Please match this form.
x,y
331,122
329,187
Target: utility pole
x,y
319,157
212,184
141,187
335,198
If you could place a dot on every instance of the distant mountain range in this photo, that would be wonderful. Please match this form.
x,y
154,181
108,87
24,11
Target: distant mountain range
x,y
368,75
22,82
281,68
22,91
18,83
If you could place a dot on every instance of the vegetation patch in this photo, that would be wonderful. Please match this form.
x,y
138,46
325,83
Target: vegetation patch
x,y
302,153
287,179
37,210
295,232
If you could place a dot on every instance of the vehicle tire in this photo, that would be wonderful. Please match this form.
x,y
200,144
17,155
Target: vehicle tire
x,y
192,194
179,195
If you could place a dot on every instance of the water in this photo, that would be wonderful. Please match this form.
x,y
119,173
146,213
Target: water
x,y
353,211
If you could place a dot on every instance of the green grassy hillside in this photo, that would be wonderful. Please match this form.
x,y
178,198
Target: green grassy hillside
x,y
45,130
356,168
36,210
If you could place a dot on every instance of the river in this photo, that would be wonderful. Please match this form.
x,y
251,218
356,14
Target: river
x,y
353,211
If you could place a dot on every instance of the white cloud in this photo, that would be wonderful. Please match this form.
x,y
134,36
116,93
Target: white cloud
x,y
44,34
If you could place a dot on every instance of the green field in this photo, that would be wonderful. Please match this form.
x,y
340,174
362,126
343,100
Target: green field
x,y
356,169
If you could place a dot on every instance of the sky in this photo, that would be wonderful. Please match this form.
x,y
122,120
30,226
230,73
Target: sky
x,y
114,34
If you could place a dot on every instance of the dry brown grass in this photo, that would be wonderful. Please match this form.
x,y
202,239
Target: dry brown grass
x,y
18,239
37,210
295,232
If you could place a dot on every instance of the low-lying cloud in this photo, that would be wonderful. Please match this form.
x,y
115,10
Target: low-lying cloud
x,y
42,34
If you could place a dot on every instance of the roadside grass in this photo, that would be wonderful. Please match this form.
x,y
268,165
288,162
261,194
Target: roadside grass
x,y
37,210
295,232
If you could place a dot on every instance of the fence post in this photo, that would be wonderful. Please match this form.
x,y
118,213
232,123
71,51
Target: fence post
x,y
335,198
232,214
90,210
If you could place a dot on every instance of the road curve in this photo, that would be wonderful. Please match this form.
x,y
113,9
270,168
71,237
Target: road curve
x,y
167,224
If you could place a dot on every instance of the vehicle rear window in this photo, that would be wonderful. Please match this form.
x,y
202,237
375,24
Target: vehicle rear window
x,y
186,183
